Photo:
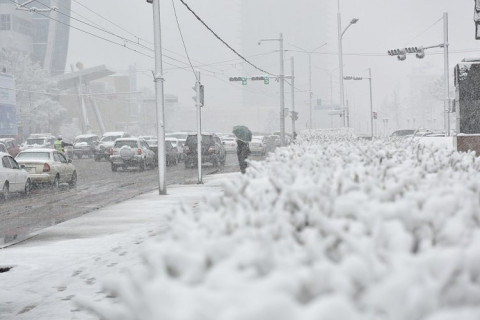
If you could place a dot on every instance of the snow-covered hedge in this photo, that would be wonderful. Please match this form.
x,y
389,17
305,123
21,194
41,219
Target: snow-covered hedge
x,y
331,228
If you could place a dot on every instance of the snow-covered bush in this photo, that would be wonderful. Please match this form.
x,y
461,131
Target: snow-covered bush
x,y
332,227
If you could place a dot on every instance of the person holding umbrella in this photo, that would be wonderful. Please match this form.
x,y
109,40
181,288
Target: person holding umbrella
x,y
243,135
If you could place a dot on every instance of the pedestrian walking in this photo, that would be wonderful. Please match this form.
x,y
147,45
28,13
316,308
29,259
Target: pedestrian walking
x,y
243,151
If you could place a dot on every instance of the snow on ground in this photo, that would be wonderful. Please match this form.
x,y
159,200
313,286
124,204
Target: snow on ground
x,y
333,227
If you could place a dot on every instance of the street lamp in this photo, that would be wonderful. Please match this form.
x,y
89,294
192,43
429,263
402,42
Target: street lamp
x,y
340,61
369,78
282,87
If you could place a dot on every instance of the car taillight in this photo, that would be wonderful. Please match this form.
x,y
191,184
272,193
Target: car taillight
x,y
186,149
211,149
139,151
111,151
46,167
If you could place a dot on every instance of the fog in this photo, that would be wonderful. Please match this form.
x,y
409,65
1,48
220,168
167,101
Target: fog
x,y
305,24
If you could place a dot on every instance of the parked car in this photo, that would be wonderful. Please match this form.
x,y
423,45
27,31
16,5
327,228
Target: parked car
x,y
48,167
84,145
13,177
38,140
12,146
131,152
102,149
230,144
257,146
212,150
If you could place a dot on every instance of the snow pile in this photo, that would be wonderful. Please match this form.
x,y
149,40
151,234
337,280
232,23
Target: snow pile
x,y
330,228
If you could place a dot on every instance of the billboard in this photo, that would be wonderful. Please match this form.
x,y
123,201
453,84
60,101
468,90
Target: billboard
x,y
8,106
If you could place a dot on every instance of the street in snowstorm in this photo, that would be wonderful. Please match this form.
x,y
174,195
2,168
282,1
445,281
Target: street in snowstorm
x,y
97,187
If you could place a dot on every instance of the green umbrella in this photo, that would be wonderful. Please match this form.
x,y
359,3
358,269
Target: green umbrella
x,y
242,133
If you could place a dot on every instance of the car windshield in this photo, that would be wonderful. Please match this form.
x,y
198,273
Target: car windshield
x,y
129,143
109,138
35,141
33,156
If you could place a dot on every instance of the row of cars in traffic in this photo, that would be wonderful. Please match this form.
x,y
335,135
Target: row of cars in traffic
x,y
36,162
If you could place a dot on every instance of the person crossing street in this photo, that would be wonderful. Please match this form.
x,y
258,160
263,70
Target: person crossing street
x,y
60,145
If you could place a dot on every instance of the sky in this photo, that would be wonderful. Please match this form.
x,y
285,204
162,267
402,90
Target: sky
x,y
387,230
382,25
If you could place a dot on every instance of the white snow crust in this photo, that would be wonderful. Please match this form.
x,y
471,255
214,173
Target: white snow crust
x,y
332,227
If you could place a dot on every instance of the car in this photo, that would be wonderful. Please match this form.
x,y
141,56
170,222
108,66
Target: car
x,y
131,152
410,133
12,146
171,155
271,142
3,148
38,140
48,166
212,150
230,144
84,145
257,146
13,177
177,146
102,149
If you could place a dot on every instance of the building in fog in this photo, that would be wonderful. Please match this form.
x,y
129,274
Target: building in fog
x,y
43,35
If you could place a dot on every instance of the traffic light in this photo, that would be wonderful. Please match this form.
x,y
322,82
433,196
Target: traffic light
x,y
243,79
201,93
266,79
400,53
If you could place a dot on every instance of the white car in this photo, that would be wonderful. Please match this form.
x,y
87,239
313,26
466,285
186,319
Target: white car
x,y
257,146
230,144
13,178
131,152
177,147
48,166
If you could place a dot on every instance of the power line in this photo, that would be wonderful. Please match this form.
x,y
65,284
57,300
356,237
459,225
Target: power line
x,y
223,41
183,40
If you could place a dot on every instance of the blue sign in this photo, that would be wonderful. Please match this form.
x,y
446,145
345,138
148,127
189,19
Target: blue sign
x,y
8,106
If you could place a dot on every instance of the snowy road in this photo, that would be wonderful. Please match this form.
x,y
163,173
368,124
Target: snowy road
x,y
97,187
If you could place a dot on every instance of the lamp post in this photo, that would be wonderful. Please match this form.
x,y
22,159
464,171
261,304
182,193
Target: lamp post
x,y
340,61
282,87
369,78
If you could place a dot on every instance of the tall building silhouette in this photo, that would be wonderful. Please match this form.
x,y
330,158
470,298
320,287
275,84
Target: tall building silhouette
x,y
43,35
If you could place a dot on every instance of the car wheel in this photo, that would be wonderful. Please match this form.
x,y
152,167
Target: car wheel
x,y
114,168
28,187
5,192
56,182
96,158
73,180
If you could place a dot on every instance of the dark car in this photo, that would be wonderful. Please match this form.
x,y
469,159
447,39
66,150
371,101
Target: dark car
x,y
84,145
170,152
212,149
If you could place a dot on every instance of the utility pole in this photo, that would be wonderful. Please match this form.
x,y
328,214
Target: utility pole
x,y
160,101
282,93
446,102
198,105
293,97
340,68
371,100
310,89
